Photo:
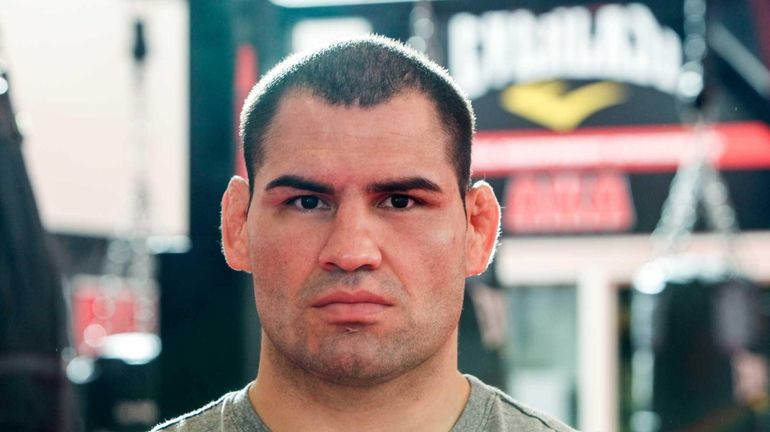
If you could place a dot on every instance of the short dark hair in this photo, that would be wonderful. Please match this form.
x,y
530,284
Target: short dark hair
x,y
363,72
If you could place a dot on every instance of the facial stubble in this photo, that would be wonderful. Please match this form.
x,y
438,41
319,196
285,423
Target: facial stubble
x,y
356,355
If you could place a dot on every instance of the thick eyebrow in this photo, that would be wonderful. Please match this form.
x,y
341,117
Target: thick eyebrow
x,y
298,182
404,185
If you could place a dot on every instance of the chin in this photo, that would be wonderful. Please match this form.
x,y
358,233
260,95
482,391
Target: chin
x,y
357,372
365,364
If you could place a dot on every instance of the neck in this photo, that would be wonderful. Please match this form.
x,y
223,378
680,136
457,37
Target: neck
x,y
429,397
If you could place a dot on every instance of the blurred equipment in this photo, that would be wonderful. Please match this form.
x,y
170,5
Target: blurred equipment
x,y
34,393
697,324
115,313
422,22
119,387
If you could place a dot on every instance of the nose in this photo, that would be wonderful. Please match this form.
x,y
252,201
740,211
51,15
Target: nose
x,y
351,245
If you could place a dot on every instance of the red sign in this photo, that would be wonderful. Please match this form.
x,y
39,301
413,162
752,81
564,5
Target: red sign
x,y
629,149
567,202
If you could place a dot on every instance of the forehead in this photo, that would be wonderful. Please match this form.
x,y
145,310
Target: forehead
x,y
404,131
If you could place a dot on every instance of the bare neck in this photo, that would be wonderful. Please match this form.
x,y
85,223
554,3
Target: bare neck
x,y
429,397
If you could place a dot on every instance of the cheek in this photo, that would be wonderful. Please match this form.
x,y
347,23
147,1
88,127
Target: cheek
x,y
430,258
438,240
272,279
281,259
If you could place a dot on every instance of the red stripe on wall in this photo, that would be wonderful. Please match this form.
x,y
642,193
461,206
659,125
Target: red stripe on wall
x,y
730,146
246,75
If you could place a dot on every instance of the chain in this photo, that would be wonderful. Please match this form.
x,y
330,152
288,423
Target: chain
x,y
128,256
422,21
697,181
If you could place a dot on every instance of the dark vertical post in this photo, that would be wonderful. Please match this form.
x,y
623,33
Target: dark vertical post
x,y
201,299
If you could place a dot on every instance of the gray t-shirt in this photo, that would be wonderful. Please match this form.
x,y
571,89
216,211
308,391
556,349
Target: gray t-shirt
x,y
488,409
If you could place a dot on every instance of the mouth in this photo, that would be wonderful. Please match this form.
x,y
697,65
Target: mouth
x,y
356,307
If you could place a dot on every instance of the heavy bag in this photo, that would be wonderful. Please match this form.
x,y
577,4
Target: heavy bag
x,y
691,317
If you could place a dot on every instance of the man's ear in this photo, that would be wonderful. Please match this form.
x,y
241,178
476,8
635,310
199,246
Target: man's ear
x,y
235,238
483,227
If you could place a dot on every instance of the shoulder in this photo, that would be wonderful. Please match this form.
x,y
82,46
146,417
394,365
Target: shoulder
x,y
203,419
215,416
492,410
198,420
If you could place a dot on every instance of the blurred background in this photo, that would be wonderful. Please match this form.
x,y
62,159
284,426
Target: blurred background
x,y
627,141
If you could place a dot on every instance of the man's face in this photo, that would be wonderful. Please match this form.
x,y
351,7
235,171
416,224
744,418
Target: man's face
x,y
356,238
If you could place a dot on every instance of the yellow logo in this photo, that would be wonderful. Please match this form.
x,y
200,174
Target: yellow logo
x,y
550,104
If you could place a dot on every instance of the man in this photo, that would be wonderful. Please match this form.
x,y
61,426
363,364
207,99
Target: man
x,y
359,225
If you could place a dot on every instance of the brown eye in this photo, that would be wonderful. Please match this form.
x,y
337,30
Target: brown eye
x,y
398,202
309,202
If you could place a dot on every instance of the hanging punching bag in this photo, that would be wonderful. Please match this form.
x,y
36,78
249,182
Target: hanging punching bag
x,y
691,317
33,322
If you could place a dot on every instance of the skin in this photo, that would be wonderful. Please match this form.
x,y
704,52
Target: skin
x,y
358,243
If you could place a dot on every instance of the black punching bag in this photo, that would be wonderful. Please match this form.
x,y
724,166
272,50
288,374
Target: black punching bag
x,y
690,318
33,326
